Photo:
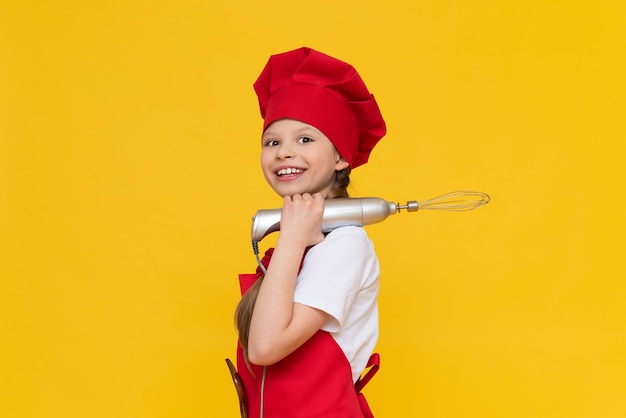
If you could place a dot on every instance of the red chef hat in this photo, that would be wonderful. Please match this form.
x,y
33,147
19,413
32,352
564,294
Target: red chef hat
x,y
325,92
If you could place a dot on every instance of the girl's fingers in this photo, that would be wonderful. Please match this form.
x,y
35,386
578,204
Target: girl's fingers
x,y
298,197
305,196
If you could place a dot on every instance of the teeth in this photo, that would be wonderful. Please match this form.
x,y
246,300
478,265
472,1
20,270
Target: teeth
x,y
287,171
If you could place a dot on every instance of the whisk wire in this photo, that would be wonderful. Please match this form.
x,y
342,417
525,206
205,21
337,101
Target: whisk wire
x,y
458,201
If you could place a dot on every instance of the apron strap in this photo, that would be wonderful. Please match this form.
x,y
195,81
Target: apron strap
x,y
374,365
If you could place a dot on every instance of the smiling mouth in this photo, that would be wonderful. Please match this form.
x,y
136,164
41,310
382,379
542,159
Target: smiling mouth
x,y
288,171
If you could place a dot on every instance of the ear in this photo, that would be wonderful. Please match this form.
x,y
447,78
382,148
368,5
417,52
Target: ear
x,y
341,163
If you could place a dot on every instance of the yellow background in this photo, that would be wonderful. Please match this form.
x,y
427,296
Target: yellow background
x,y
129,173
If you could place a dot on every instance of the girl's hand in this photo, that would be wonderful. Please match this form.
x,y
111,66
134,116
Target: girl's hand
x,y
301,218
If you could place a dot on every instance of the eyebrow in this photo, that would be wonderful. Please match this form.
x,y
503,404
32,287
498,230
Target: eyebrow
x,y
298,131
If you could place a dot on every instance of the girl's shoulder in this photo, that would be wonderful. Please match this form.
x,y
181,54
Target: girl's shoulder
x,y
348,232
347,239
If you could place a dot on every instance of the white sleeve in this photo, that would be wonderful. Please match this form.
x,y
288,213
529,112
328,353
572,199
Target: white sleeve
x,y
333,273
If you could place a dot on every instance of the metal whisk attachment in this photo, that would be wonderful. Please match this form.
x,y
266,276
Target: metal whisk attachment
x,y
458,201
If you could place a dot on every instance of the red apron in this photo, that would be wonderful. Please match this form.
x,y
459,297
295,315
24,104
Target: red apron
x,y
313,381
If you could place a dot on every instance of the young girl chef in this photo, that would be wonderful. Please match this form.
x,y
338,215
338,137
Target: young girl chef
x,y
308,325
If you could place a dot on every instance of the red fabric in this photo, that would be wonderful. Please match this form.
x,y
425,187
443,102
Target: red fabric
x,y
247,280
313,381
325,92
374,365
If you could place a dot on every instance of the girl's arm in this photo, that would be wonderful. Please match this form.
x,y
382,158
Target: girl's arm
x,y
279,325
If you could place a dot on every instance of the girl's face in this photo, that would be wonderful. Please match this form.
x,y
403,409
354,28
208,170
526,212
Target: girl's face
x,y
297,158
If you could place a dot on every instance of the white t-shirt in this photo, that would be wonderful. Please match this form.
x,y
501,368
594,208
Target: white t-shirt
x,y
340,276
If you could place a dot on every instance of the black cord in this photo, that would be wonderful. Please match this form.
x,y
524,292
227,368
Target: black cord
x,y
255,248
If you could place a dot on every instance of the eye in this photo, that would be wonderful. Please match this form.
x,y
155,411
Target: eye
x,y
271,143
304,139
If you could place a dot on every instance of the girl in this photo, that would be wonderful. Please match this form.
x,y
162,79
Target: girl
x,y
307,327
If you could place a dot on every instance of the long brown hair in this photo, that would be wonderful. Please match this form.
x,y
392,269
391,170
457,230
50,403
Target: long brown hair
x,y
243,312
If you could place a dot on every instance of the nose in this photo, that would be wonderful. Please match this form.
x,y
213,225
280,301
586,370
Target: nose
x,y
285,151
